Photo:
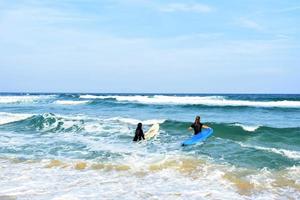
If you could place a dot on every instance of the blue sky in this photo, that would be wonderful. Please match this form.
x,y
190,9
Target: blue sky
x,y
216,46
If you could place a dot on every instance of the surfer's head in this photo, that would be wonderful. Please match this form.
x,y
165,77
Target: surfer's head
x,y
139,126
197,119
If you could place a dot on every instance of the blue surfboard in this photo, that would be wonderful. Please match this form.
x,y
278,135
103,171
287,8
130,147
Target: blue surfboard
x,y
203,135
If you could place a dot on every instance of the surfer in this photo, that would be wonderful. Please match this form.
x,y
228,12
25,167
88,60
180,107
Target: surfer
x,y
139,134
197,126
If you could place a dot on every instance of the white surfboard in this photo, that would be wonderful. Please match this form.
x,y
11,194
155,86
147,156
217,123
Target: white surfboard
x,y
153,131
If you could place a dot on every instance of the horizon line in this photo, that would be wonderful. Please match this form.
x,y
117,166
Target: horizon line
x,y
149,93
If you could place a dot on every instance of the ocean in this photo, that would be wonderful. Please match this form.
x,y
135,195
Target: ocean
x,y
79,146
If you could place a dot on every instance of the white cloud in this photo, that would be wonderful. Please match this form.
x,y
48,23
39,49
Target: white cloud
x,y
184,7
250,24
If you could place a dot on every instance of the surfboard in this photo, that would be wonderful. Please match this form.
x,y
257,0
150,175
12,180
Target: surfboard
x,y
153,131
203,135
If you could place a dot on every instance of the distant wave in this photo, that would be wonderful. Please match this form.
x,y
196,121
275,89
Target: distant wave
x,y
213,100
195,100
94,97
70,102
284,152
24,99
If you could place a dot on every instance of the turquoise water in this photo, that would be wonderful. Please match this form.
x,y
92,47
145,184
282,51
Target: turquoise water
x,y
253,153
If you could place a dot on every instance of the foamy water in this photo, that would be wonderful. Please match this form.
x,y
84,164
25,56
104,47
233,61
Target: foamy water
x,y
178,178
24,99
250,128
287,153
12,117
194,100
72,146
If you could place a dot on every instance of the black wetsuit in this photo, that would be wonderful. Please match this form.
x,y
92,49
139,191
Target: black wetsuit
x,y
139,135
197,128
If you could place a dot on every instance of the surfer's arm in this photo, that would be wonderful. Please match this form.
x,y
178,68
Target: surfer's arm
x,y
191,128
204,126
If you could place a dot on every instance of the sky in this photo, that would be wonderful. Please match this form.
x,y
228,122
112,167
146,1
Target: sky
x,y
150,46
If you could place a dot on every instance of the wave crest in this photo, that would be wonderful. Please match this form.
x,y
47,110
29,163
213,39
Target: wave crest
x,y
284,152
249,128
24,99
6,118
195,100
46,122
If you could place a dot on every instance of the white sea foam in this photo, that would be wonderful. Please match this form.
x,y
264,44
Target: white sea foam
x,y
178,175
63,121
93,128
24,99
250,128
70,102
95,97
67,183
169,177
287,153
90,124
195,100
12,117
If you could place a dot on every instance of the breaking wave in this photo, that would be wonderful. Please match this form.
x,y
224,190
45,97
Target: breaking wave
x,y
195,100
24,99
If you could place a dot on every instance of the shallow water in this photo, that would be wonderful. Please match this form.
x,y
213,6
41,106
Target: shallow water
x,y
79,146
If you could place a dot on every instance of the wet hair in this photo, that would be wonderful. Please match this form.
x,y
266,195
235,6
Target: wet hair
x,y
139,126
197,119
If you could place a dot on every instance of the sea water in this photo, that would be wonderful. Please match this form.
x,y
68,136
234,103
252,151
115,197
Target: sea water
x,y
79,146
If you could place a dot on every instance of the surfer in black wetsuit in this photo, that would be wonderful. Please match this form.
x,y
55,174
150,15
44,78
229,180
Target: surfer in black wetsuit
x,y
139,134
197,126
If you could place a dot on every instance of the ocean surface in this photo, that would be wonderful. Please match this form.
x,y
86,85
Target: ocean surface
x,y
79,146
